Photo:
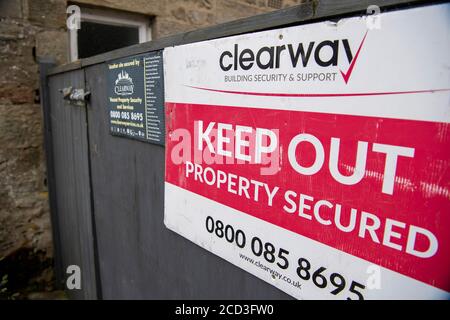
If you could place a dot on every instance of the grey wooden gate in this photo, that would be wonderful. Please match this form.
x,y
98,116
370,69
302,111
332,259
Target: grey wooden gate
x,y
108,192
71,172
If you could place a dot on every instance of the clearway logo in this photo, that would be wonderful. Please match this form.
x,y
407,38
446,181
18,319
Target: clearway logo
x,y
124,84
299,55
346,75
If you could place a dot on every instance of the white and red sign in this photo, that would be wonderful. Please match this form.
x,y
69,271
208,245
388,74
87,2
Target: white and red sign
x,y
317,157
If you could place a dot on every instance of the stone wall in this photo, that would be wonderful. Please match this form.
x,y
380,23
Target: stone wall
x,y
30,29
27,29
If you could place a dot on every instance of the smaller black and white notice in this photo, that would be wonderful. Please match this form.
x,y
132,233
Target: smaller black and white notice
x,y
136,97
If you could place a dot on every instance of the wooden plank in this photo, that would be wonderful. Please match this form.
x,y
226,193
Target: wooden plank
x,y
44,66
65,67
71,174
307,12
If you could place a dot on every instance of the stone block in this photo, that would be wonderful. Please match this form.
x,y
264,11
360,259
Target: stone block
x,y
145,7
47,13
11,9
163,27
52,44
228,10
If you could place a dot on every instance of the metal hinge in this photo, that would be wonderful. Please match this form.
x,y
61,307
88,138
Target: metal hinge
x,y
76,96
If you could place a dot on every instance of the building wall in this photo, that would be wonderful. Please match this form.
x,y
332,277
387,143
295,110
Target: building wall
x,y
30,29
